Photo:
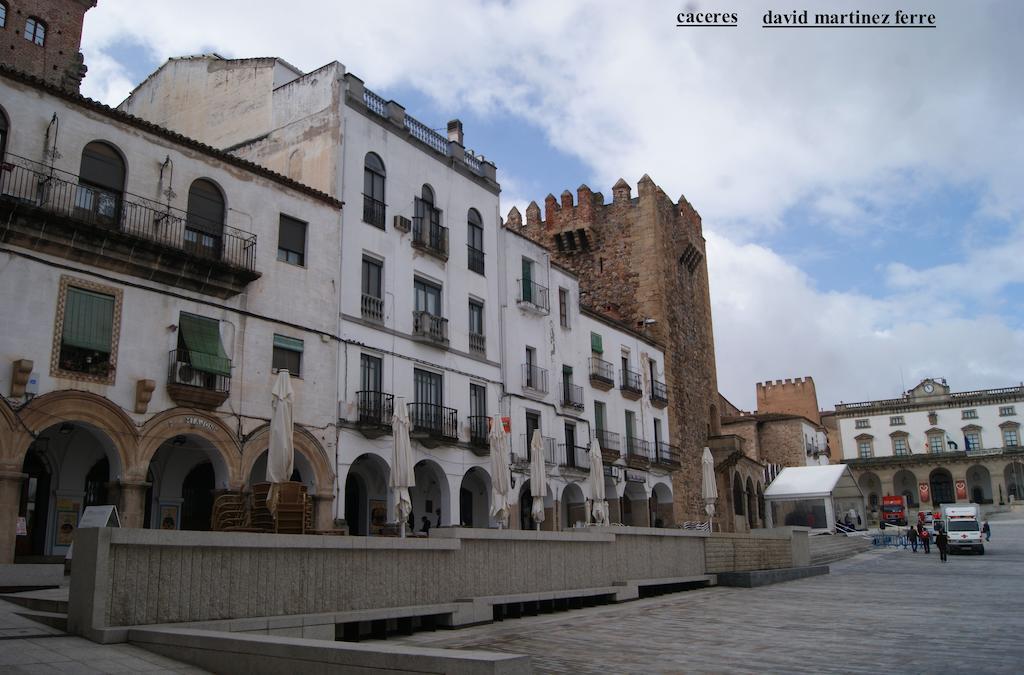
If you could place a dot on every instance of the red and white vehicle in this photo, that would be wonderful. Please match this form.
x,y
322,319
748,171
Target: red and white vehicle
x,y
963,525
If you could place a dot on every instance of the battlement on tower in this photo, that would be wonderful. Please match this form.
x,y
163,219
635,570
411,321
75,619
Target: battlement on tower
x,y
794,396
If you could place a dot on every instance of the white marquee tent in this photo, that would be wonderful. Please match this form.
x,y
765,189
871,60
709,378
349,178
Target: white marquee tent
x,y
814,497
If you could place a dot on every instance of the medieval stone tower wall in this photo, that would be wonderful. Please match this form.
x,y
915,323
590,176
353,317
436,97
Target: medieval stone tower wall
x,y
58,60
791,396
644,258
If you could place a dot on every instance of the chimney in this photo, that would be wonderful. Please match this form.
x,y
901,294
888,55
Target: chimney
x,y
455,131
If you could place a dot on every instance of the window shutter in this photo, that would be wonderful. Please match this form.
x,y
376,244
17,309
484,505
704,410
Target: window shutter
x,y
596,343
292,234
88,320
202,339
291,344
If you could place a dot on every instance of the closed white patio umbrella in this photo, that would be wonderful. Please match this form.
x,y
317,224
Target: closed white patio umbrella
x,y
281,453
598,505
538,478
708,488
402,475
500,479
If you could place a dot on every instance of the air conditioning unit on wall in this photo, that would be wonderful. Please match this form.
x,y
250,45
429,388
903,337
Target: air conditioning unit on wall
x,y
402,224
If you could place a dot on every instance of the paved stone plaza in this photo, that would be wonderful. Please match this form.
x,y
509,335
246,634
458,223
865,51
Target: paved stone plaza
x,y
888,610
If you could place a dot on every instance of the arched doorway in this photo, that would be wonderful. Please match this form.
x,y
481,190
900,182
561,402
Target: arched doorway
x,y
430,495
611,497
979,484
35,501
574,510
905,483
760,504
737,495
96,483
366,495
1013,474
942,487
526,521
197,497
871,486
475,498
661,506
302,472
186,470
635,509
751,504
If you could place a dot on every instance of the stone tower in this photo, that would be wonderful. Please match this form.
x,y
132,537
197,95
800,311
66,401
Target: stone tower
x,y
43,38
792,396
642,258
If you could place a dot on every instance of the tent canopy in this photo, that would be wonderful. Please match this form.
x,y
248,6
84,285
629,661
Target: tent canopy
x,y
796,482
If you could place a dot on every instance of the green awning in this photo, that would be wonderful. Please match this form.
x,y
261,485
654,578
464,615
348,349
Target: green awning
x,y
291,344
202,339
596,343
88,320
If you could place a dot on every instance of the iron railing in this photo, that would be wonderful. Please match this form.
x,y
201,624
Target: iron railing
x,y
430,236
667,455
572,395
433,328
602,371
630,381
375,408
573,456
638,448
477,342
522,454
476,259
659,392
609,440
532,293
181,371
434,420
373,211
535,378
61,193
372,308
478,435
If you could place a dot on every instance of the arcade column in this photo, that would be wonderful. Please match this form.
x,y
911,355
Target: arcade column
x,y
10,499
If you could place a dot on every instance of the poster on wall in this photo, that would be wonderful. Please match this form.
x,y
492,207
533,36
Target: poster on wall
x,y
168,516
67,521
924,492
378,515
961,490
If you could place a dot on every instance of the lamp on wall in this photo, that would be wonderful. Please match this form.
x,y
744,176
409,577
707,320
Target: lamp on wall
x,y
66,428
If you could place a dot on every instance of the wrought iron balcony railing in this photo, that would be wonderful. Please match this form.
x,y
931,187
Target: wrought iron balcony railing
x,y
535,378
182,371
478,436
667,455
522,454
31,184
533,295
375,408
601,372
630,381
659,392
638,448
476,260
373,211
609,440
572,395
574,456
430,237
434,421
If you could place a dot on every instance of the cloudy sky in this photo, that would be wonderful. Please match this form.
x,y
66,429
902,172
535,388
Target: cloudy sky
x,y
861,189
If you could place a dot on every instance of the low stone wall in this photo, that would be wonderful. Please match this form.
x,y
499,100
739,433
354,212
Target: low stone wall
x,y
759,550
133,577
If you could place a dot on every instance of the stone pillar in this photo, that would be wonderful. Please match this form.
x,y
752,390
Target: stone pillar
x,y
10,499
131,504
323,511
614,512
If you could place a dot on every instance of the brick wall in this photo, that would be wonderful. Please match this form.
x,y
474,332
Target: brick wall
x,y
58,60
740,553
644,258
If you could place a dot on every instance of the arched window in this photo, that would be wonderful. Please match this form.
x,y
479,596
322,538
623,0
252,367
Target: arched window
x,y
204,226
100,183
475,241
3,14
373,190
426,224
737,495
35,31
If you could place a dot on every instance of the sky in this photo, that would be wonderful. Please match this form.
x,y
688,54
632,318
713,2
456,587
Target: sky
x,y
860,189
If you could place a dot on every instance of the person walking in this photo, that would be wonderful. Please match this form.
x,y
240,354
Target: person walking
x,y
912,537
942,542
986,530
923,534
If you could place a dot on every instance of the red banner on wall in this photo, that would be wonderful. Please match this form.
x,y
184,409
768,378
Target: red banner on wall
x,y
924,492
961,490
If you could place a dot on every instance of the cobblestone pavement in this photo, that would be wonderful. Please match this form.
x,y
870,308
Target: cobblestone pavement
x,y
881,611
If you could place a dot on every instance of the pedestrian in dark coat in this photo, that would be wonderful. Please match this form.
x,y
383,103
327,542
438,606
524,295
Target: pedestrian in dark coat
x,y
942,541
912,537
923,534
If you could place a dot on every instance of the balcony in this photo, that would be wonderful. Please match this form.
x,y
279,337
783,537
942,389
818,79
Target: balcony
x,y
666,455
611,450
198,384
374,410
659,394
574,457
372,308
52,212
535,380
430,237
429,328
521,455
638,452
476,260
602,374
533,296
433,424
373,211
479,441
477,343
630,384
572,396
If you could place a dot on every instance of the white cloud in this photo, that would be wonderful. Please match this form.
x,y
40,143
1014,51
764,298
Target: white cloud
x,y
746,122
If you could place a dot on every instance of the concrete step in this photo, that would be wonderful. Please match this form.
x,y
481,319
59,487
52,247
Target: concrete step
x,y
52,619
47,600
828,549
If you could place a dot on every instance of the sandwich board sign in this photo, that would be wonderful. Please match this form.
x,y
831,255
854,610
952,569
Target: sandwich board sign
x,y
96,516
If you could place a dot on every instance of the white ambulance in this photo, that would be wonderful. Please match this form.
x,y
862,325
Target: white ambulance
x,y
963,525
